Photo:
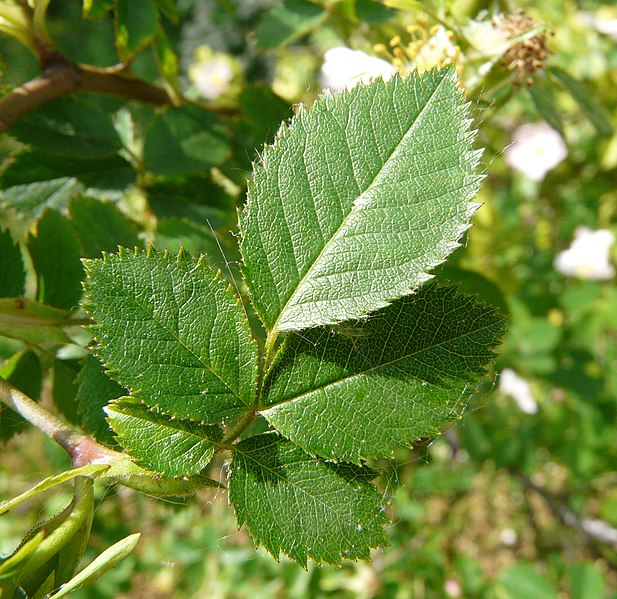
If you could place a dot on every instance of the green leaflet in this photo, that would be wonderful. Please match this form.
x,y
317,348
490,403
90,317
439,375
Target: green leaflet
x,y
170,447
170,330
12,273
137,22
287,22
185,140
364,390
55,254
304,507
357,199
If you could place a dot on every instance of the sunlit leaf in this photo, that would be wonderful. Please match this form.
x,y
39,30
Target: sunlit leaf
x,y
170,447
357,200
172,332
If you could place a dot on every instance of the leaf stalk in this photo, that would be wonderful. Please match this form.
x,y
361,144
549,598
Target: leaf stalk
x,y
239,427
82,449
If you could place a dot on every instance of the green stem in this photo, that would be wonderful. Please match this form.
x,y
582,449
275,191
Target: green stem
x,y
249,417
269,348
81,509
82,449
239,427
44,45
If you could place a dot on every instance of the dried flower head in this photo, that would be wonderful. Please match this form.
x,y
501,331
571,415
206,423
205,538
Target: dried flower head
x,y
527,56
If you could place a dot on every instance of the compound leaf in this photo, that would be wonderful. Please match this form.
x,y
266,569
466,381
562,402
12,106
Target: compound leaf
x,y
357,199
360,391
169,447
303,507
172,332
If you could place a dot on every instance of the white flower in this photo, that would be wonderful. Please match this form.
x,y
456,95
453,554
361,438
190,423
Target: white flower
x,y
588,256
601,22
535,150
212,73
438,50
344,67
452,588
508,537
487,37
518,388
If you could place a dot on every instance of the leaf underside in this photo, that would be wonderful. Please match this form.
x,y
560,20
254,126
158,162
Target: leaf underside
x,y
303,507
364,389
171,331
357,199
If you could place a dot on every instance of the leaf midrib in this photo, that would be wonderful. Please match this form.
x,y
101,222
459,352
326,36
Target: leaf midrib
x,y
376,367
354,209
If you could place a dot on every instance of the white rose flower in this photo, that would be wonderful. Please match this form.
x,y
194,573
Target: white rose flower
x,y
438,51
212,73
344,67
601,22
588,256
487,37
535,150
517,387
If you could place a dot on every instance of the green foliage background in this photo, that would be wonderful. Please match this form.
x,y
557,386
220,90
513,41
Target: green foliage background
x,y
503,505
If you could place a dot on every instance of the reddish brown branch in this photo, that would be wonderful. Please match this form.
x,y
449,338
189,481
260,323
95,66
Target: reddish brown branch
x,y
63,78
116,82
